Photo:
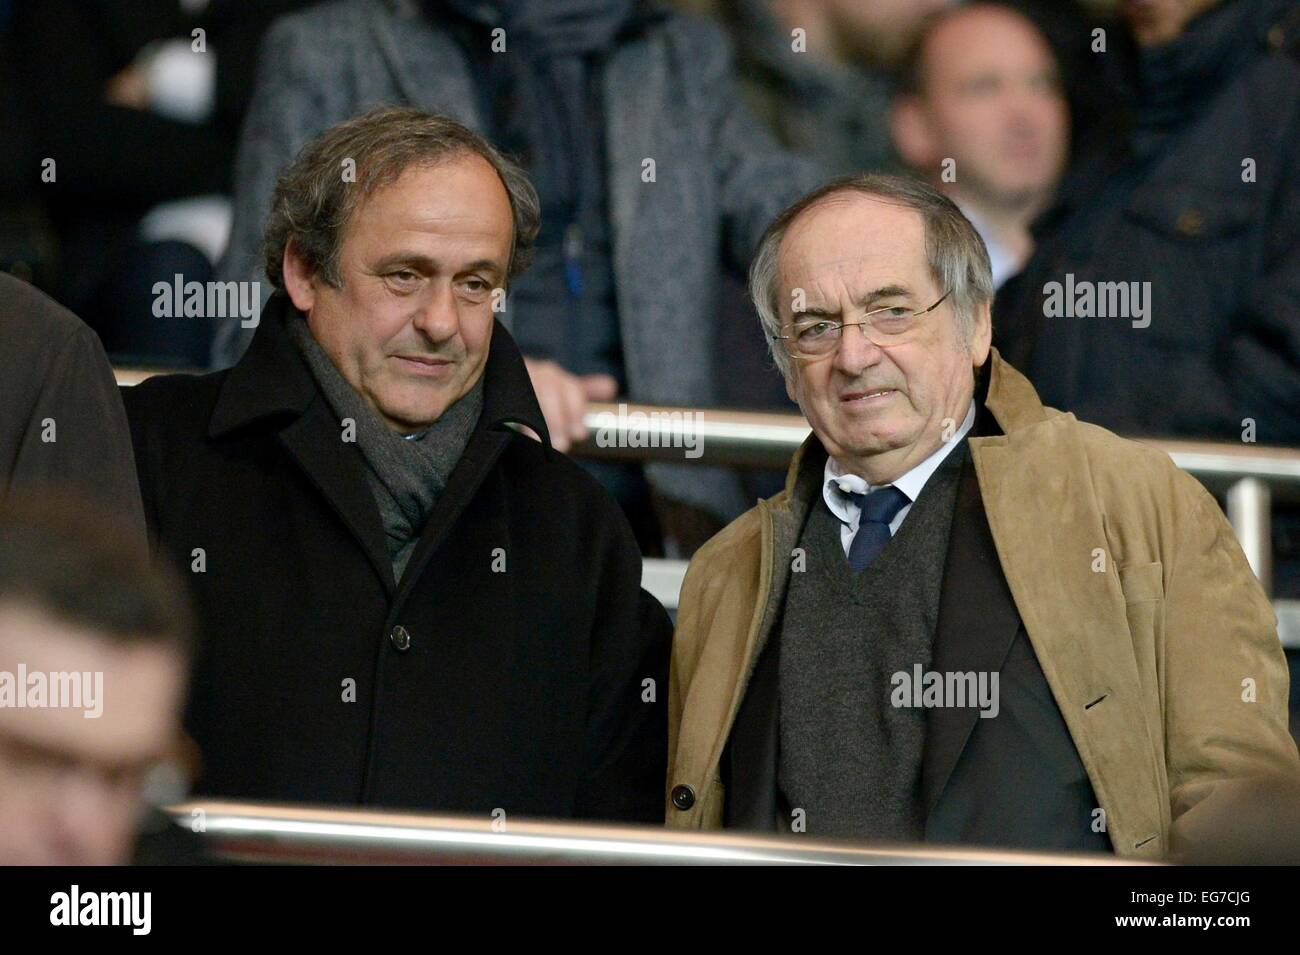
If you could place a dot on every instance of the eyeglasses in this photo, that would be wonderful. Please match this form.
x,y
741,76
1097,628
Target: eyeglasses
x,y
885,327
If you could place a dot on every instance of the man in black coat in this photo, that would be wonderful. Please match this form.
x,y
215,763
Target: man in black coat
x,y
1190,224
61,423
406,601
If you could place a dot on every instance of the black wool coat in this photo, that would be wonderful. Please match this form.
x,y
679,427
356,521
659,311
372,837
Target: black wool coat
x,y
518,665
62,430
1195,208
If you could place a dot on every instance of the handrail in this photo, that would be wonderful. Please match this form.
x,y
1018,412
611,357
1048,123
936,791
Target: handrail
x,y
768,439
1250,475
269,833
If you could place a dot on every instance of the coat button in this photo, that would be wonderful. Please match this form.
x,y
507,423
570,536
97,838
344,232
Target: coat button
x,y
683,797
400,639
1190,222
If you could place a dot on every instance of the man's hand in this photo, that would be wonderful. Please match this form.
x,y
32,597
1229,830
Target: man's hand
x,y
564,398
128,89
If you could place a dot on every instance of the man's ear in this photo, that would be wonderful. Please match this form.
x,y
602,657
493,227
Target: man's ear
x,y
911,133
299,278
982,335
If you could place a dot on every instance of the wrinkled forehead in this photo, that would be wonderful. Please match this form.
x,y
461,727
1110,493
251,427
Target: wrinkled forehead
x,y
850,241
459,199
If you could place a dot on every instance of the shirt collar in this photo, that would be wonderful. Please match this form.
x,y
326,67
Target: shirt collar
x,y
837,484
1001,260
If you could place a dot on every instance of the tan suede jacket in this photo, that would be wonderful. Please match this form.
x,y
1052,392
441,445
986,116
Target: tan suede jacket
x,y
1171,624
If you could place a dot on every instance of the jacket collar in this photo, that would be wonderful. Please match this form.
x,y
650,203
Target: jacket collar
x,y
272,385
1000,390
1178,78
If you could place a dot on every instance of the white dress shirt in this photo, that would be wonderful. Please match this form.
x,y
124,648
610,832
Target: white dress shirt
x,y
838,485
1003,262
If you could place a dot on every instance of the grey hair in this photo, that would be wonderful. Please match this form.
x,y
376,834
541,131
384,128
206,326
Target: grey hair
x,y
958,260
314,202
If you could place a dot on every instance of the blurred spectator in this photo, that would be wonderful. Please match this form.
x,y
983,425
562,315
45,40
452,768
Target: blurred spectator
x,y
93,653
982,116
26,245
653,177
820,72
138,112
1071,30
1164,293
61,421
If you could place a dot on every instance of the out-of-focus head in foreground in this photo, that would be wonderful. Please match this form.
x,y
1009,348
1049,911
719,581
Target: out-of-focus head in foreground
x,y
93,656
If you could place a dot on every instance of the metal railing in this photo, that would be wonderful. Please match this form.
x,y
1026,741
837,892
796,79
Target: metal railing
x,y
1249,477
319,835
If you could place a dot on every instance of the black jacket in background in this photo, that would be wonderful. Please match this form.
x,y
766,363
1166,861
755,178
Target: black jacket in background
x,y
520,690
114,163
1168,205
53,368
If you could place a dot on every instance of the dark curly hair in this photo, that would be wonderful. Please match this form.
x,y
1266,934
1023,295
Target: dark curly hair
x,y
314,201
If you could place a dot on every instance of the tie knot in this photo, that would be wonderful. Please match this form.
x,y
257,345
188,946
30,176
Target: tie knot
x,y
882,505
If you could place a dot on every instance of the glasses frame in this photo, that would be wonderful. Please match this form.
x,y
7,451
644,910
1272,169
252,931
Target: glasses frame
x,y
840,326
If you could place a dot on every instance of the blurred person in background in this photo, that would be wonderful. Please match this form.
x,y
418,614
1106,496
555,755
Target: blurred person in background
x,y
137,103
654,179
26,238
820,73
1195,212
94,646
983,116
62,424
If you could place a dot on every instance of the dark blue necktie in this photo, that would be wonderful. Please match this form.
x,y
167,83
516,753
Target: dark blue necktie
x,y
879,508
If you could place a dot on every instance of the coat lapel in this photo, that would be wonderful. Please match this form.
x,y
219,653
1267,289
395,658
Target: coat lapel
x,y
1048,531
478,459
272,388
314,442
508,399
977,624
752,748
753,733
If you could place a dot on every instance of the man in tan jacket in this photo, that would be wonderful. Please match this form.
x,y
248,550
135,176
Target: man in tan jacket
x,y
968,618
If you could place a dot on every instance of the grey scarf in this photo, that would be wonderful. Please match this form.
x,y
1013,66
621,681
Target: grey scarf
x,y
405,474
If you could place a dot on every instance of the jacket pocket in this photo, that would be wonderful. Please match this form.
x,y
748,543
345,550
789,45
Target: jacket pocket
x,y
1190,214
1141,582
1144,606
1144,594
1193,245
